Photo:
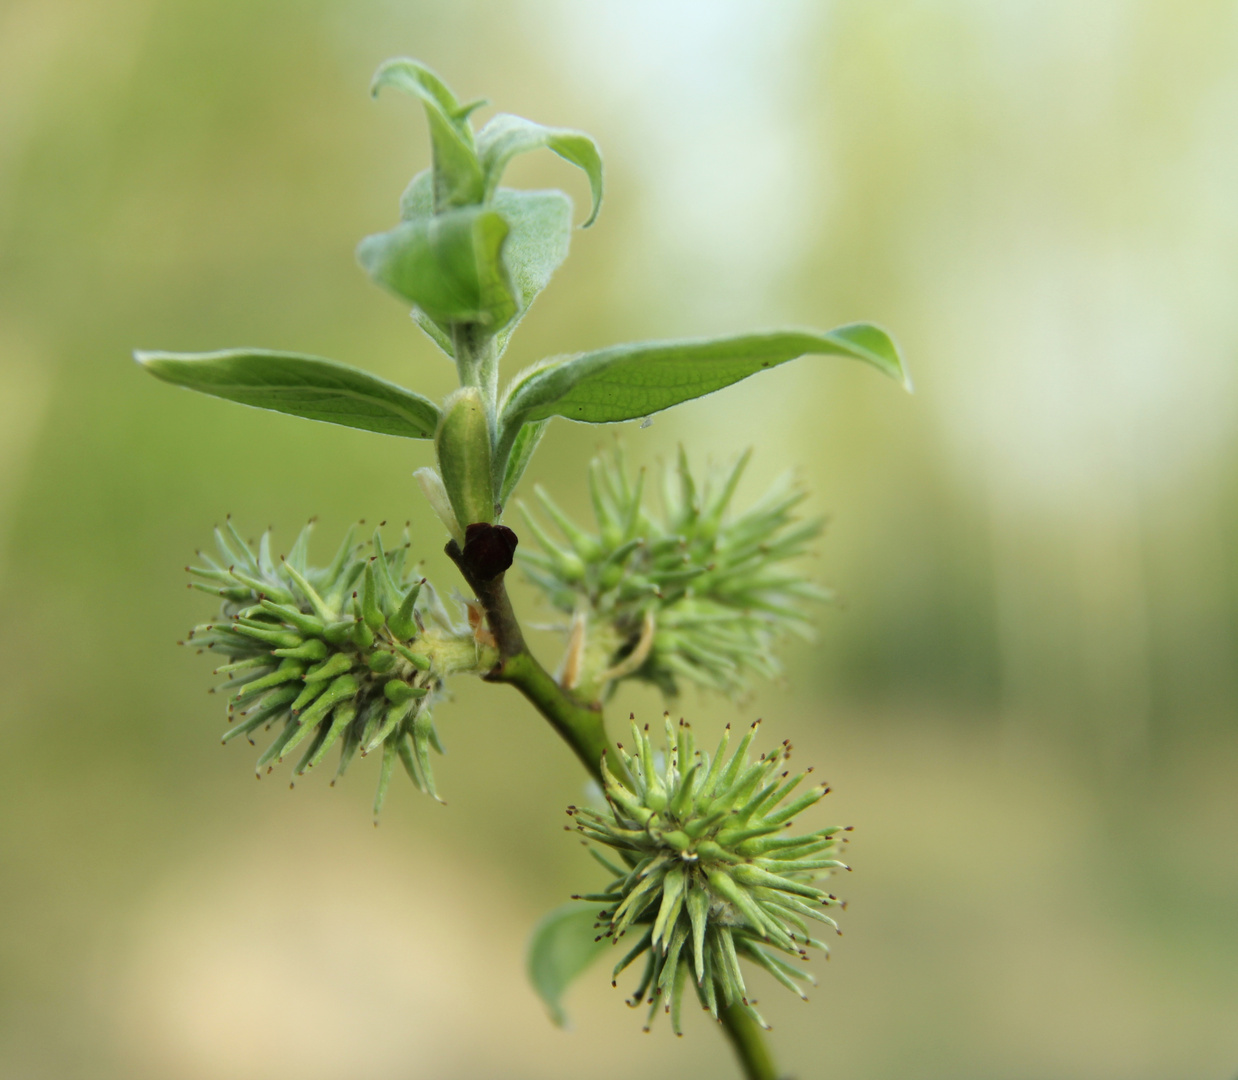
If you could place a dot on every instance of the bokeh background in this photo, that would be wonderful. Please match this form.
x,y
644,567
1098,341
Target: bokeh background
x,y
1025,698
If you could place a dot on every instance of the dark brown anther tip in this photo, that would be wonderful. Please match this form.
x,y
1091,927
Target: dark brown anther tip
x,y
488,549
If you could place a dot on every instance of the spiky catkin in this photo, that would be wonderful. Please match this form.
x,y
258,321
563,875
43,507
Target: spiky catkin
x,y
696,593
707,874
353,653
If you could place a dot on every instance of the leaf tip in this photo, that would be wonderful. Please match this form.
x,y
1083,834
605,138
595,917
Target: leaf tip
x,y
596,208
382,76
154,362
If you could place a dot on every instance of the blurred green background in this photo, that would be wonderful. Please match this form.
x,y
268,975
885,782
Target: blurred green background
x,y
1025,700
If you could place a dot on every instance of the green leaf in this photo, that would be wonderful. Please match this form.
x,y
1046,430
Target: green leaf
x,y
458,176
521,454
625,382
561,948
418,202
418,198
449,265
505,136
306,386
541,233
540,224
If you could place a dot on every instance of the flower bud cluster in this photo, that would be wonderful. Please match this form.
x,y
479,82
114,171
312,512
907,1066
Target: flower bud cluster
x,y
695,594
353,653
707,874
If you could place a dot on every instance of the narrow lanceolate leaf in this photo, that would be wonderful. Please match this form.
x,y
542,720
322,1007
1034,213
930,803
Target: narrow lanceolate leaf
x,y
505,136
449,265
458,178
626,382
306,386
563,945
527,439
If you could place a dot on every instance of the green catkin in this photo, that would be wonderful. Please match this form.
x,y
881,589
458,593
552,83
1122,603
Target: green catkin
x,y
321,733
392,718
714,586
348,751
312,649
341,718
405,750
686,874
325,653
337,664
384,777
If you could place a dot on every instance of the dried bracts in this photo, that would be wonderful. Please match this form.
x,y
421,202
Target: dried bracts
x,y
706,873
352,654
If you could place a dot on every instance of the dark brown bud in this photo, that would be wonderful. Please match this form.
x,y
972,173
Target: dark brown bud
x,y
488,549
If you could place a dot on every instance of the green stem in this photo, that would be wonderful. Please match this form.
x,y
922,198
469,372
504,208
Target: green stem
x,y
581,726
749,1042
578,723
477,363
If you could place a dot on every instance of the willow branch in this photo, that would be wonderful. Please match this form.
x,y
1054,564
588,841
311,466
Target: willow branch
x,y
581,726
578,723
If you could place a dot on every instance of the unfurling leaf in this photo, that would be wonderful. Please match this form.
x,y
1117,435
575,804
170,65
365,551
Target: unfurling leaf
x,y
539,235
306,386
626,382
449,265
458,178
563,945
505,136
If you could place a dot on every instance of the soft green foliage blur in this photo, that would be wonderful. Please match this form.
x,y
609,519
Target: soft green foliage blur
x,y
1025,701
